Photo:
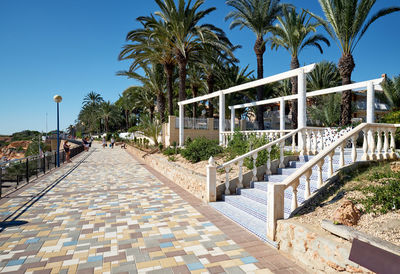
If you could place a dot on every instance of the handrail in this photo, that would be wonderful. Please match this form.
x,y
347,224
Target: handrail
x,y
250,153
300,172
259,131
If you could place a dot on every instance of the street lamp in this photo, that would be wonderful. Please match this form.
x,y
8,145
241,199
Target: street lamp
x,y
58,99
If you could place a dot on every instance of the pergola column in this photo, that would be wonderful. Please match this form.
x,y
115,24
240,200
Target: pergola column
x,y
232,119
301,104
282,114
221,116
370,103
181,125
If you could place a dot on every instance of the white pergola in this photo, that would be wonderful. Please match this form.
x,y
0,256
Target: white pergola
x,y
302,95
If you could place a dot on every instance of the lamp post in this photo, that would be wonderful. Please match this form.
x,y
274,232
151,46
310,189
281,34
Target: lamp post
x,y
58,99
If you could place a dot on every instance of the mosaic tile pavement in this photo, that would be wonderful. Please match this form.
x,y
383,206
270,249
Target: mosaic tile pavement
x,y
106,213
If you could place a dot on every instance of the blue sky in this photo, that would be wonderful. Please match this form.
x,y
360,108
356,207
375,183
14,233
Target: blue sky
x,y
70,48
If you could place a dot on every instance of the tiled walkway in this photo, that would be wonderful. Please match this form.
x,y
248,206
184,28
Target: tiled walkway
x,y
106,212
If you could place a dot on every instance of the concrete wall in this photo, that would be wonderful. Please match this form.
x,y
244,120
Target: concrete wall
x,y
171,134
320,251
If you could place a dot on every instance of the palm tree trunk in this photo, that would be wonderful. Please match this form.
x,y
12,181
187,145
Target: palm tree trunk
x,y
182,64
195,90
259,49
161,106
169,69
127,118
294,64
346,66
106,123
151,113
210,85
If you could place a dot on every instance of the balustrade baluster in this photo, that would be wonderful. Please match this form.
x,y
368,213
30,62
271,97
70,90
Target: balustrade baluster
x,y
315,148
371,141
294,196
386,145
330,163
365,146
268,171
392,144
354,148
254,178
341,156
320,181
227,191
294,143
307,186
281,155
379,155
240,176
308,142
322,133
303,142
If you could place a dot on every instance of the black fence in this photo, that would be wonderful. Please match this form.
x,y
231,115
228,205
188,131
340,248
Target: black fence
x,y
18,171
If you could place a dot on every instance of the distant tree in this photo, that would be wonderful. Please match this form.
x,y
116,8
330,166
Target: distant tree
x,y
391,91
92,98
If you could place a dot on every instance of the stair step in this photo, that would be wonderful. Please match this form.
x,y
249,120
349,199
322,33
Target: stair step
x,y
253,224
254,194
247,205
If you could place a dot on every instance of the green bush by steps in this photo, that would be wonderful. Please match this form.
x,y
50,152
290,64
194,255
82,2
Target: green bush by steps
x,y
201,149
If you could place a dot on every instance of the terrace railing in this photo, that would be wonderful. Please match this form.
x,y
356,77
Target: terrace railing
x,y
378,144
270,135
26,169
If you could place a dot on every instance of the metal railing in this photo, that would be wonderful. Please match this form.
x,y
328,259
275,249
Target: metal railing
x,y
193,123
18,171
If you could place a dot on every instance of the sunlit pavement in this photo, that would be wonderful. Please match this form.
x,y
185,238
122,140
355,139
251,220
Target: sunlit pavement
x,y
105,212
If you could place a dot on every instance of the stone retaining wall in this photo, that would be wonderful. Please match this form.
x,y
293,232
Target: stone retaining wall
x,y
319,250
192,181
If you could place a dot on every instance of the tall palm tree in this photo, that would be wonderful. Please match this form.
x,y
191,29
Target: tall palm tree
x,y
92,98
195,79
346,22
187,36
391,91
152,44
258,16
294,32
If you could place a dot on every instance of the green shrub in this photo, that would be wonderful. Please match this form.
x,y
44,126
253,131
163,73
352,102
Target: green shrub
x,y
171,151
201,149
239,145
254,142
236,146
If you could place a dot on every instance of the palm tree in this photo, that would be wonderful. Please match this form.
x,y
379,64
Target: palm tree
x,y
258,16
151,44
187,36
92,98
325,75
346,22
153,82
107,113
195,80
391,91
294,33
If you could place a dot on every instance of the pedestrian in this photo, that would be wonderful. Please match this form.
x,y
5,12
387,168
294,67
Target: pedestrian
x,y
85,144
90,141
67,151
112,142
104,142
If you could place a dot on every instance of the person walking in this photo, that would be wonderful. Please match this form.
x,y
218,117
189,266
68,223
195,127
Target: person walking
x,y
112,142
85,144
67,151
104,142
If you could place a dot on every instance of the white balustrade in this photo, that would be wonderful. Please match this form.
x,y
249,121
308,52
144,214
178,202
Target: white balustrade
x,y
392,144
281,154
320,165
295,184
365,145
254,178
268,170
371,145
354,149
341,155
227,191
314,145
307,185
379,155
240,176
